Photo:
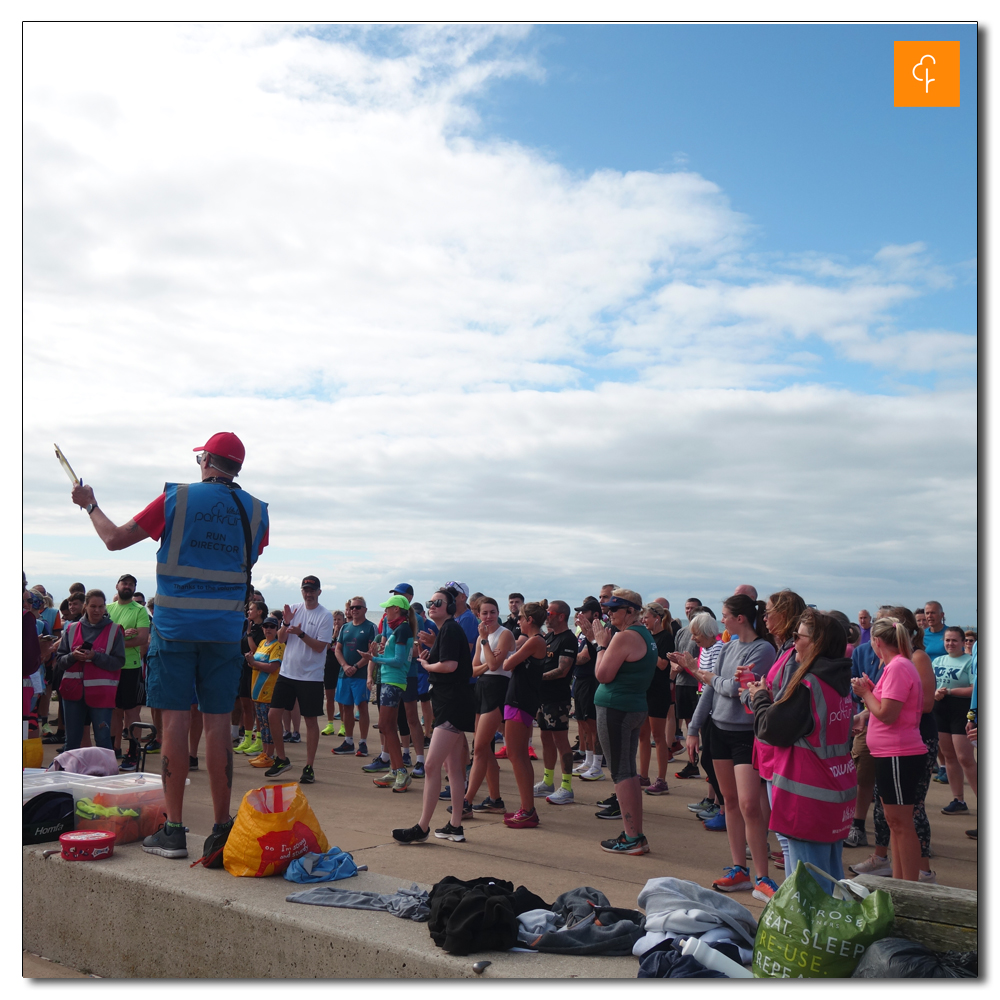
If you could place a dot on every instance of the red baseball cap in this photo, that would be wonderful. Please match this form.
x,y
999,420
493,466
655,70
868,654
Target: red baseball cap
x,y
225,444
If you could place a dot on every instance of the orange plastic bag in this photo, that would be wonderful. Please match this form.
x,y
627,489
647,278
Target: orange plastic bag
x,y
31,753
274,826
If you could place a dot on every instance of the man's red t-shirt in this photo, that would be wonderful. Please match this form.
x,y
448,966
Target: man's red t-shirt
x,y
153,521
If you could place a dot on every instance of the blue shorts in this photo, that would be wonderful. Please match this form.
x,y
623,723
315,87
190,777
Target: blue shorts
x,y
411,693
423,683
352,690
211,669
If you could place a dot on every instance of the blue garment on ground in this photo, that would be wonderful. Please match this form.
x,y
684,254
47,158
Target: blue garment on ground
x,y
335,864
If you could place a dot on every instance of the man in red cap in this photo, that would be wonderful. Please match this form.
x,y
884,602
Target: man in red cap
x,y
210,533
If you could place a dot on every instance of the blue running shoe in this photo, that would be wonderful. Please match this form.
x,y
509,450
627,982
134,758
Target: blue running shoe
x,y
717,822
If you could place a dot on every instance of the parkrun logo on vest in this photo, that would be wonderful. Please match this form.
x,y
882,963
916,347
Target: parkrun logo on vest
x,y
220,514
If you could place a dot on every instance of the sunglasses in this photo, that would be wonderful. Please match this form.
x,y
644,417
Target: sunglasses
x,y
799,635
435,604
270,628
358,607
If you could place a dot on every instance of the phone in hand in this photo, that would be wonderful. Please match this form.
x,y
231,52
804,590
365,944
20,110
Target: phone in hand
x,y
87,644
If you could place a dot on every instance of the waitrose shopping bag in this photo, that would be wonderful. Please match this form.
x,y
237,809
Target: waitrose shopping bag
x,y
274,825
804,932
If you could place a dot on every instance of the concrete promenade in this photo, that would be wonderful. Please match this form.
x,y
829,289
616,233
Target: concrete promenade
x,y
561,854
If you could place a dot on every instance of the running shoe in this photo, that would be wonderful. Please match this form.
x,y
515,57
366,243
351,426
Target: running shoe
x,y
542,789
644,781
402,780
501,754
192,763
579,757
445,793
328,730
777,859
406,758
580,768
342,731
736,878
973,834
376,766
857,836
386,780
256,747
612,811
594,774
280,765
153,746
764,888
244,744
362,750
522,819
677,747
623,844
418,770
167,845
466,809
697,807
262,761
710,811
717,822
129,762
658,787
345,748
955,808
531,753
928,878
873,865
449,832
336,715
489,805
689,770
560,797
411,835
286,737
941,776
308,776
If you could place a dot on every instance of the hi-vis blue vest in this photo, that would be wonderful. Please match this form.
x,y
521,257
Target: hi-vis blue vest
x,y
201,567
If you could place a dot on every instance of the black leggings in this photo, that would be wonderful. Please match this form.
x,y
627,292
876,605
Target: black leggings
x,y
706,759
620,740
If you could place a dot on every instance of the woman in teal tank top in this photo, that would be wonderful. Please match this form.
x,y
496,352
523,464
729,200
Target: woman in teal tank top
x,y
626,659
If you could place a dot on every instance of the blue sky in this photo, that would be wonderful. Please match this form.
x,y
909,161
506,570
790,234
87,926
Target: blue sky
x,y
470,288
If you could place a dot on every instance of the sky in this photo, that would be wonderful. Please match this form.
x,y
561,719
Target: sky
x,y
536,308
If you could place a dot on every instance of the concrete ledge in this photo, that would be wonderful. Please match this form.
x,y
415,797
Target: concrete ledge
x,y
191,923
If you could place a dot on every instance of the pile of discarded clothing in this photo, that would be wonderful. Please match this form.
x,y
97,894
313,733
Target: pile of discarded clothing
x,y
678,910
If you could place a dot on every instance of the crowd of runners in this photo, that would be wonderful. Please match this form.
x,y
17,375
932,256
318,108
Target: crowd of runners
x,y
800,721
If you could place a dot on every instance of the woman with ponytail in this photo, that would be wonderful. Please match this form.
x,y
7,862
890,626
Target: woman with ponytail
x,y
803,719
749,651
524,698
895,706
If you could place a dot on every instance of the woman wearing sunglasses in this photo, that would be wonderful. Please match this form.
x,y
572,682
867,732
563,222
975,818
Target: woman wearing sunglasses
x,y
449,664
521,705
807,730
626,660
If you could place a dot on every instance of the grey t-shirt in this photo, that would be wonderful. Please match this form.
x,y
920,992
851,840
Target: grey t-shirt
x,y
685,644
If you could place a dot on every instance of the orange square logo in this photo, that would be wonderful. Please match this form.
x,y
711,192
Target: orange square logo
x,y
925,74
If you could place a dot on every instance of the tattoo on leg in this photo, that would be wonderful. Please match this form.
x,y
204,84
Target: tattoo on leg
x,y
229,768
166,766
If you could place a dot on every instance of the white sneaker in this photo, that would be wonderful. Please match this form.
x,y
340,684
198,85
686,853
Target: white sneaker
x,y
560,797
928,877
541,790
581,767
594,774
874,865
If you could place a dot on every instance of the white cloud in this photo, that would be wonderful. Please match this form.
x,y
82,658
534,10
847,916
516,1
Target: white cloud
x,y
441,349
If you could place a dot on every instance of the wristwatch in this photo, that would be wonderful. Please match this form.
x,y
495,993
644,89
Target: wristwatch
x,y
90,508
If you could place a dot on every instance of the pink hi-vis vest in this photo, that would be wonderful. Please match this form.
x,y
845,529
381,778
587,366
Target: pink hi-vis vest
x,y
814,786
84,679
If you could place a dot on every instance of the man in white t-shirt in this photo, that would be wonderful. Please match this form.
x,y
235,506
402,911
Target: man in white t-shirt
x,y
307,631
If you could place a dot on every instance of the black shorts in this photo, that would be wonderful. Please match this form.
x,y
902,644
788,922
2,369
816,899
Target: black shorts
x,y
309,695
331,674
897,778
950,713
686,700
246,679
131,691
410,694
658,700
584,689
732,744
554,717
490,693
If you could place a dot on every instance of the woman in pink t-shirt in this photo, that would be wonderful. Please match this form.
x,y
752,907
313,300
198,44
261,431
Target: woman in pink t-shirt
x,y
896,704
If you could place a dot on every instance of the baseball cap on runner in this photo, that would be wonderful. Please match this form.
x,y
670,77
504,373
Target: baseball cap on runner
x,y
401,588
590,604
127,576
225,444
311,581
464,587
396,601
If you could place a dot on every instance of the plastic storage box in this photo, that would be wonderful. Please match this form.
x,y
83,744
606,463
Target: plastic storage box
x,y
138,798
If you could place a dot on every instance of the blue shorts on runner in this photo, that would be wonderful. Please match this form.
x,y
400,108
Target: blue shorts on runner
x,y
212,669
